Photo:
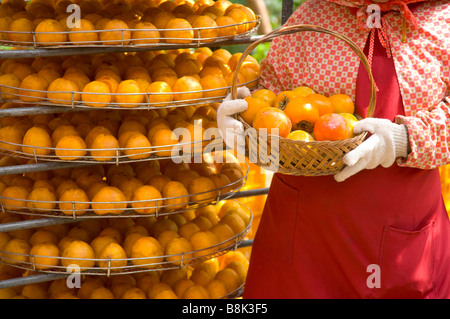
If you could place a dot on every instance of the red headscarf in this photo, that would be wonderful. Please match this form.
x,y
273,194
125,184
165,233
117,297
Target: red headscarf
x,y
383,35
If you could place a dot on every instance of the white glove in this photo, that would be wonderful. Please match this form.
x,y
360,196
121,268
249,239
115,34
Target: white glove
x,y
387,142
231,130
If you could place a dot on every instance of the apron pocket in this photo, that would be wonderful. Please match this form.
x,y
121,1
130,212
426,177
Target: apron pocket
x,y
407,263
276,229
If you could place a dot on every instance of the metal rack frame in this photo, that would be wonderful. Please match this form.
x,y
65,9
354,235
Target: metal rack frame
x,y
287,10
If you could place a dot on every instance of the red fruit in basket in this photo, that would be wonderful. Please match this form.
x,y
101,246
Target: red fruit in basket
x,y
302,113
331,127
275,121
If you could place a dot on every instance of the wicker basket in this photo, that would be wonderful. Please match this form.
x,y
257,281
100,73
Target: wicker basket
x,y
291,157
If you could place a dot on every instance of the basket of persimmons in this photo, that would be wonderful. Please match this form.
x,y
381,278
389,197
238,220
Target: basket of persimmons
x,y
299,131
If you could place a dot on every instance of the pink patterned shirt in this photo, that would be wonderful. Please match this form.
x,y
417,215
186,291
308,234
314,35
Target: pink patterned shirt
x,y
329,66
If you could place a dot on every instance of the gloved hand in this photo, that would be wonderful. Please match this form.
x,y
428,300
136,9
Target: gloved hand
x,y
231,130
387,142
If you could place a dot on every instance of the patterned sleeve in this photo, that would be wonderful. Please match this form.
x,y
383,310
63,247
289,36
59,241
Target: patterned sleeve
x,y
429,136
274,67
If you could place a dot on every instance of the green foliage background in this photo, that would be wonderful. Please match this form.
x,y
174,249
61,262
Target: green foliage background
x,y
274,7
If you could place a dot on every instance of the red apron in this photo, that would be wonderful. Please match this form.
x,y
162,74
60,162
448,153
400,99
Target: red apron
x,y
318,238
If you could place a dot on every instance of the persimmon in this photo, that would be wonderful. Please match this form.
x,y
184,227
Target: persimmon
x,y
165,76
160,19
134,293
137,146
74,201
110,73
216,289
63,130
146,199
97,93
321,102
187,66
79,253
178,31
300,135
21,70
214,86
186,176
183,9
240,268
49,74
204,243
158,181
226,26
41,199
187,88
63,91
33,88
255,104
351,121
16,251
144,33
302,113
274,121
202,190
70,147
223,233
57,34
342,103
131,124
104,147
146,252
240,18
230,278
303,90
159,93
81,36
175,194
128,94
12,136
164,140
78,77
112,82
268,95
283,98
235,221
100,242
178,251
116,32
109,200
89,284
21,31
13,82
37,141
162,225
14,197
250,72
331,127
45,255
90,137
33,291
129,185
207,29
113,257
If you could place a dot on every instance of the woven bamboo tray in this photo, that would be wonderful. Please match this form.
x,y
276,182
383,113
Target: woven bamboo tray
x,y
297,158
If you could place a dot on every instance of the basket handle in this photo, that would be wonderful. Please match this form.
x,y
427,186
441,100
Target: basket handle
x,y
306,27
